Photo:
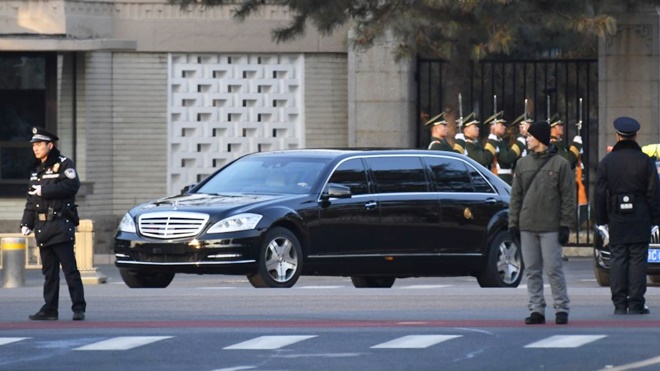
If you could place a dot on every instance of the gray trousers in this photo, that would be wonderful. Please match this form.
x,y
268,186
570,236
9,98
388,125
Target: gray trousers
x,y
542,252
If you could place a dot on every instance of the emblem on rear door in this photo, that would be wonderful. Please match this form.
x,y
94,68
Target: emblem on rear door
x,y
467,213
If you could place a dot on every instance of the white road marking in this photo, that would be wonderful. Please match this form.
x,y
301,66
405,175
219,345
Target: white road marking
x,y
237,368
565,341
270,342
415,341
4,341
426,286
525,286
123,343
635,365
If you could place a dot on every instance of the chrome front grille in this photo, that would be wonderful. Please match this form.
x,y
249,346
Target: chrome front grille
x,y
171,224
655,235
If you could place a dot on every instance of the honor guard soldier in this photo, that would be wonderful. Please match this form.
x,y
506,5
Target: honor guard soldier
x,y
626,203
50,212
439,132
570,153
468,143
504,156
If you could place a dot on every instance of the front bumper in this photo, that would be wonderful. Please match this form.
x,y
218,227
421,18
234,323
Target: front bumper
x,y
602,250
231,254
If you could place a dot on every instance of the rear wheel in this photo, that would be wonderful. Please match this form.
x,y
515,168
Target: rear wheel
x,y
655,278
375,282
504,266
280,260
138,280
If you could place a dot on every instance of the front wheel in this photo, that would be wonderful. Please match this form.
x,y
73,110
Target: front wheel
x,y
602,277
145,280
504,266
654,278
280,260
374,282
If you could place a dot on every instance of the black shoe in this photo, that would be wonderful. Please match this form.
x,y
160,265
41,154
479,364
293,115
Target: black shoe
x,y
78,316
644,310
561,318
535,318
43,316
621,310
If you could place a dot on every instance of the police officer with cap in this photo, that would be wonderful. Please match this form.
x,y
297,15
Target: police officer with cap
x,y
50,212
626,205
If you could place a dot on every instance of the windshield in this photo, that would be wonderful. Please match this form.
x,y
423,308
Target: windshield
x,y
266,174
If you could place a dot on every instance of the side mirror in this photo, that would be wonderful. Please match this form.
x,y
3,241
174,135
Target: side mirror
x,y
334,190
187,188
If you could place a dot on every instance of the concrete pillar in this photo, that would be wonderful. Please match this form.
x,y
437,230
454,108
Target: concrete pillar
x,y
629,77
381,97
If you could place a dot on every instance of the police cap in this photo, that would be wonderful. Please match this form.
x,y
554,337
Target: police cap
x,y
626,126
40,134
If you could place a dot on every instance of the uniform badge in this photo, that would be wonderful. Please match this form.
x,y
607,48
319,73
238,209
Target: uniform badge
x,y
56,167
34,130
70,173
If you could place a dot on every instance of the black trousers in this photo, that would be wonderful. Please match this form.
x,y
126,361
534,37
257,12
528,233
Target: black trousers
x,y
51,258
628,275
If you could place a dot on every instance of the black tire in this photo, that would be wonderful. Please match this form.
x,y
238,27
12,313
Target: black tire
x,y
504,265
654,278
602,277
280,260
373,282
145,280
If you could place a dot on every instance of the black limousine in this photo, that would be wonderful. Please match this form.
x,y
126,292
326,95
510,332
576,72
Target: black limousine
x,y
371,215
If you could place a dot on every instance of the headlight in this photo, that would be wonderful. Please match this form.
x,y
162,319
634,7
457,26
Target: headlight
x,y
240,222
127,224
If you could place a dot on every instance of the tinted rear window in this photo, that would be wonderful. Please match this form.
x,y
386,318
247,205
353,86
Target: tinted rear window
x,y
398,174
449,175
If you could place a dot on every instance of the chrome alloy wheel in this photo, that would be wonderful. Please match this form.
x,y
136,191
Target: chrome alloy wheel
x,y
509,262
281,259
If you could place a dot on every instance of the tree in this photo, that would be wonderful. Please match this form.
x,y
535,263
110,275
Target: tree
x,y
457,31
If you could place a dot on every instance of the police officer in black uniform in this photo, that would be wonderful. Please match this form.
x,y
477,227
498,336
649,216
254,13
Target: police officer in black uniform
x,y
626,200
50,212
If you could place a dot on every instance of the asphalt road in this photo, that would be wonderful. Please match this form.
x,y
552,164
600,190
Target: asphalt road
x,y
323,323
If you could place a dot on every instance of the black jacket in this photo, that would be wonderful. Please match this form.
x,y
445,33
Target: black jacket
x,y
627,172
59,184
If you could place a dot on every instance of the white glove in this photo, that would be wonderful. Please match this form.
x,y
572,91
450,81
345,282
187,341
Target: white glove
x,y
25,230
577,139
522,140
36,190
459,136
493,137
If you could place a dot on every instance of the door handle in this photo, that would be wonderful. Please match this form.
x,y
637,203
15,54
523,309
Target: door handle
x,y
491,201
370,205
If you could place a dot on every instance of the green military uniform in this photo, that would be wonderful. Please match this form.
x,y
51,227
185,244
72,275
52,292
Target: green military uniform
x,y
572,153
504,156
440,144
477,152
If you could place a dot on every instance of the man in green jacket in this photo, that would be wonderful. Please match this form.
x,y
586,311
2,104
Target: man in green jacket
x,y
541,210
